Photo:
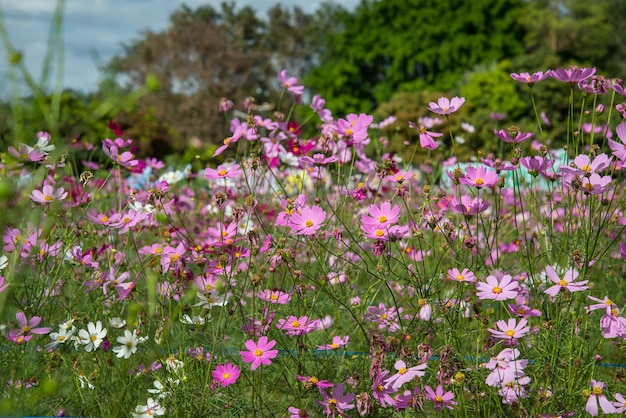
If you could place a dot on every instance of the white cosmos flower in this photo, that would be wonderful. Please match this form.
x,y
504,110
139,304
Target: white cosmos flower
x,y
3,262
129,343
193,320
152,408
93,336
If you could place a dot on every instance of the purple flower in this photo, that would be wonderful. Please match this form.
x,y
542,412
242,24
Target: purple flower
x,y
439,397
445,106
530,79
596,396
290,83
427,138
506,136
619,149
573,74
337,402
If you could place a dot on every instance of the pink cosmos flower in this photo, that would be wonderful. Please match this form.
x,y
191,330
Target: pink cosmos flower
x,y
354,128
530,79
445,106
461,276
439,397
572,75
494,289
380,233
505,367
313,381
274,296
506,137
468,206
385,318
307,221
405,374
567,282
226,374
537,165
510,330
238,132
595,184
619,149
427,138
290,83
337,402
259,353
337,342
381,216
26,153
48,195
479,177
125,159
583,165
3,285
293,325
26,328
524,311
298,413
596,396
619,404
223,171
382,393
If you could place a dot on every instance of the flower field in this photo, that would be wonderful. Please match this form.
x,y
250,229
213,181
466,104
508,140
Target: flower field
x,y
321,276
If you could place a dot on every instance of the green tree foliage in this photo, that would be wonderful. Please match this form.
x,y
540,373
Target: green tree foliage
x,y
391,45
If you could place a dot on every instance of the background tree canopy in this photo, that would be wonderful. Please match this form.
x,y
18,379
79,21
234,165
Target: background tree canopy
x,y
372,59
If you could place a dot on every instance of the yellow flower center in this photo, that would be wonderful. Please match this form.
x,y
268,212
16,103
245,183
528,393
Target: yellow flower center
x,y
48,198
562,282
479,182
334,345
402,370
309,223
438,399
348,131
314,379
273,297
586,168
226,375
295,324
510,332
460,277
379,233
382,219
104,219
497,290
597,390
258,352
94,338
222,172
25,328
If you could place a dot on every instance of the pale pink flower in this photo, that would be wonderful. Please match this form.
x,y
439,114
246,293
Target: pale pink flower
x,y
567,282
494,289
511,329
48,194
405,374
445,106
596,396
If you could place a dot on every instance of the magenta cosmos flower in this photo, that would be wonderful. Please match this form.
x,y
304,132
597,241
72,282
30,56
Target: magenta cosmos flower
x,y
259,353
307,221
226,374
511,329
48,195
27,326
479,177
337,342
530,79
445,106
427,138
223,171
494,289
567,282
337,402
439,397
293,325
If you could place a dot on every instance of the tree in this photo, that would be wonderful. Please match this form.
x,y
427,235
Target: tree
x,y
390,45
202,57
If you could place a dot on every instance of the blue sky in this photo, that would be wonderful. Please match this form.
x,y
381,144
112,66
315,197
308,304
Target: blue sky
x,y
95,29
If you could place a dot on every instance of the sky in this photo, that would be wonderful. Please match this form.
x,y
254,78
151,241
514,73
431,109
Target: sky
x,y
94,31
